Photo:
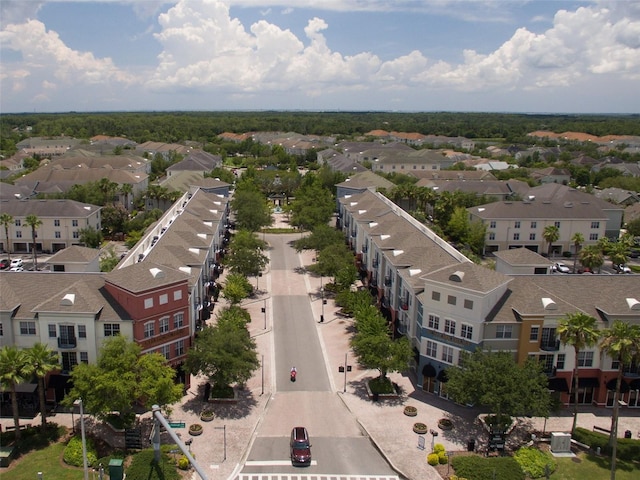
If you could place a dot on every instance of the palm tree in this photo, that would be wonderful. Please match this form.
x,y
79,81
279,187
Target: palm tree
x,y
12,372
591,257
41,361
126,189
551,234
6,220
34,222
578,240
621,342
580,331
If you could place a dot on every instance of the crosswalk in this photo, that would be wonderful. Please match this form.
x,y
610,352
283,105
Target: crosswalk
x,y
311,476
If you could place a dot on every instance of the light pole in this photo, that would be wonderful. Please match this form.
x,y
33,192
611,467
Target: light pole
x,y
262,370
264,310
84,439
322,296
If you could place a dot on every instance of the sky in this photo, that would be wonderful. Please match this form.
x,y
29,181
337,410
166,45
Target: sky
x,y
521,56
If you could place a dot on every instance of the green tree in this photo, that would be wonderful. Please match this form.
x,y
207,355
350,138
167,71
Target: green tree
x,y
34,222
476,236
580,331
495,380
122,377
246,256
5,221
578,240
633,227
313,205
333,261
621,343
618,252
591,257
225,352
321,237
91,237
40,362
251,209
13,370
550,234
236,288
109,260
458,225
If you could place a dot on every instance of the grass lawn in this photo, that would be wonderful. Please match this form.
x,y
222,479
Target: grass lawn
x,y
47,460
593,468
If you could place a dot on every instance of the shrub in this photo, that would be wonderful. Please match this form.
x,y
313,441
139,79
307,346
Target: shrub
x,y
534,462
144,467
480,468
73,452
432,459
443,459
628,448
183,463
438,448
381,385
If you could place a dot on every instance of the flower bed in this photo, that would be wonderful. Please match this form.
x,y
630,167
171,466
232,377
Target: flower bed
x,y
195,429
207,416
410,411
420,428
445,424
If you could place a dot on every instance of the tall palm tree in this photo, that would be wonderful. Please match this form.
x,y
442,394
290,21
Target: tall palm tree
x,y
578,240
6,220
40,361
621,342
580,331
126,189
12,372
591,257
550,234
34,222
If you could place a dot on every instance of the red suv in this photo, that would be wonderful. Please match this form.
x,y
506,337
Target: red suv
x,y
300,447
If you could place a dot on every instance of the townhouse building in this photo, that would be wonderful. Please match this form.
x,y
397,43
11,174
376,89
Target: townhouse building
x,y
62,221
445,304
400,161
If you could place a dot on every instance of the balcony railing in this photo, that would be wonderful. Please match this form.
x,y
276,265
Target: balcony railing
x,y
550,345
67,342
387,281
375,263
365,248
404,305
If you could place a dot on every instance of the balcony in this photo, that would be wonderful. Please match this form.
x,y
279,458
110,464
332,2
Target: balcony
x,y
404,305
550,345
387,281
67,342
375,263
365,248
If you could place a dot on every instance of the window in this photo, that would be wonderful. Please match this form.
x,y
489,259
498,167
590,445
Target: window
x,y
82,331
84,357
148,302
593,236
69,360
534,224
434,322
516,236
178,320
504,331
111,329
585,359
177,295
595,224
27,328
468,304
432,349
56,223
451,300
1,330
557,224
447,354
164,325
532,236
615,364
149,329
18,224
166,351
450,327
74,223
534,333
435,296
164,298
179,348
53,331
76,234
492,236
57,234
492,224
466,331
516,224
560,362
18,234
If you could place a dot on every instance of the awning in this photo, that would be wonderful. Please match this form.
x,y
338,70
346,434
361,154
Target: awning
x,y
558,384
21,388
428,371
634,384
442,376
589,382
624,386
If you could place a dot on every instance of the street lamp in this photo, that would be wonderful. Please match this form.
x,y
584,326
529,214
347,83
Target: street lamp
x,y
78,403
323,301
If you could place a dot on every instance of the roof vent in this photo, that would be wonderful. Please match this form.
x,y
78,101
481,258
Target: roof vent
x,y
156,273
68,300
568,204
384,237
360,212
633,303
456,276
397,252
373,224
549,304
414,271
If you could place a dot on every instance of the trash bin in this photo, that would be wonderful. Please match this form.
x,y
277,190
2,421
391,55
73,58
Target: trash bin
x,y
375,396
116,471
471,445
627,434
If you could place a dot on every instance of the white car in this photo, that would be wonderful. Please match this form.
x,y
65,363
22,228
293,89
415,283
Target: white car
x,y
560,267
16,262
16,269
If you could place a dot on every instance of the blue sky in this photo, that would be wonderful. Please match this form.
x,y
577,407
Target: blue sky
x,y
556,56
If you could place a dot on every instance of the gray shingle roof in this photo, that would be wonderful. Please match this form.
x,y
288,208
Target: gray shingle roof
x,y
58,208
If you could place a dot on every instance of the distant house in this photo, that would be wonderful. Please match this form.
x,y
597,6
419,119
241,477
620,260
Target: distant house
x,y
74,259
196,161
521,261
47,147
152,149
402,161
454,174
498,189
551,175
361,182
618,196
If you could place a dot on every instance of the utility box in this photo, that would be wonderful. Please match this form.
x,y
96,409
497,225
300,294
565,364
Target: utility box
x,y
560,442
116,469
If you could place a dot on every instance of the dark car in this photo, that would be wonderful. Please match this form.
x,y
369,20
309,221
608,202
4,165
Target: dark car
x,y
300,447
4,263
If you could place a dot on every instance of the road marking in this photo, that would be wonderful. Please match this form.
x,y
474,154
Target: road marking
x,y
311,476
271,463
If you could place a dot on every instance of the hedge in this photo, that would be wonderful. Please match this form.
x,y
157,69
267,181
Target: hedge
x,y
628,448
481,468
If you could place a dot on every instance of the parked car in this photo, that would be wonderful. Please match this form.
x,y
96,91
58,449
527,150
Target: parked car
x,y
621,268
16,269
300,447
16,262
560,267
4,264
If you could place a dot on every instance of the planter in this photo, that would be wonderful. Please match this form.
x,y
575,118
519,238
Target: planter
x,y
410,411
381,396
225,400
445,424
420,428
207,416
195,429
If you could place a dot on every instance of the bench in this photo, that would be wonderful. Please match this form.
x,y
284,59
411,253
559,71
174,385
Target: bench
x,y
10,428
600,429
